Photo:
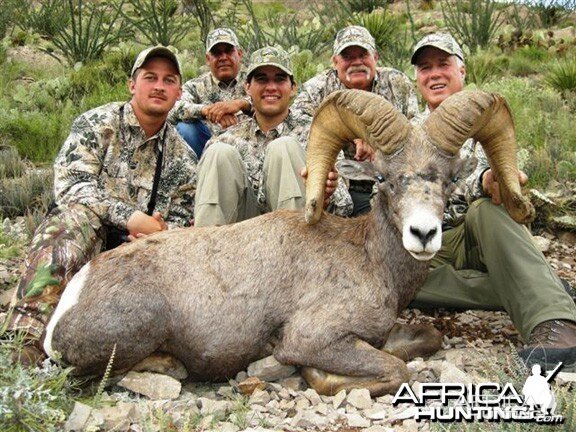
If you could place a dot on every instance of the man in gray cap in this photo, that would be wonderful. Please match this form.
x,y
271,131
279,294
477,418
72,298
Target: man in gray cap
x,y
122,173
354,67
254,167
487,260
213,101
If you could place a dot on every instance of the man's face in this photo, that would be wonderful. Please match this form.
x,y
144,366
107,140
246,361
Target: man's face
x,y
156,87
224,61
356,67
438,75
270,89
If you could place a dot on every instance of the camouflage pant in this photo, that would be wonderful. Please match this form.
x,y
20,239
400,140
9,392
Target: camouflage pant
x,y
67,239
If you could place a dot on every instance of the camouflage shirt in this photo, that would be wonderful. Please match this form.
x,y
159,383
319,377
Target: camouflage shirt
x,y
206,90
251,141
107,164
394,85
469,189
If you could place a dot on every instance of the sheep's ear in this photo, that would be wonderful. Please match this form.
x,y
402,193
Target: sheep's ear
x,y
465,168
354,170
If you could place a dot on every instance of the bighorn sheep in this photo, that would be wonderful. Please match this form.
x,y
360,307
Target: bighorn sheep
x,y
330,290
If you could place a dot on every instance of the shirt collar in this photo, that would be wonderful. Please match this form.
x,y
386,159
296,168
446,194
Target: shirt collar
x,y
278,129
221,84
134,126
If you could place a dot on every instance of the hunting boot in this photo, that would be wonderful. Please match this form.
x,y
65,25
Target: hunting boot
x,y
552,342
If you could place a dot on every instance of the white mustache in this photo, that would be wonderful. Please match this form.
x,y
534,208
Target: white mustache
x,y
353,69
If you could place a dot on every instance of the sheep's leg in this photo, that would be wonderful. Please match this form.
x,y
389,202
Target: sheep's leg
x,y
407,341
346,364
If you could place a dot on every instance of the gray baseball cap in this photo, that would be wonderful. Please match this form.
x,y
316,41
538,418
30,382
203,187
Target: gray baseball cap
x,y
221,35
270,56
354,36
442,41
157,51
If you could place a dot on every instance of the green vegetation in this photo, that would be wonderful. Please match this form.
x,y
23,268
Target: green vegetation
x,y
513,49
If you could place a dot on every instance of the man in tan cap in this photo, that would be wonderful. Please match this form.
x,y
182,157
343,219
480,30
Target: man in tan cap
x,y
213,101
487,260
122,173
254,167
354,67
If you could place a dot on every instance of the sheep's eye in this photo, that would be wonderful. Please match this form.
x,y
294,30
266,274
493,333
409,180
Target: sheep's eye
x,y
455,179
379,178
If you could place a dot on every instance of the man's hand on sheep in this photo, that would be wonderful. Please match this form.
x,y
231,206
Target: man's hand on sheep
x,y
140,224
364,151
331,183
492,189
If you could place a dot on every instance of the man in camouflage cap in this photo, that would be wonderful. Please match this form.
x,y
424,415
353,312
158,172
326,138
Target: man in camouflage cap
x,y
104,176
215,100
254,167
354,67
487,260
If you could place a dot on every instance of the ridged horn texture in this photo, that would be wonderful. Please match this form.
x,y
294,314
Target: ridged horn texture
x,y
343,116
485,117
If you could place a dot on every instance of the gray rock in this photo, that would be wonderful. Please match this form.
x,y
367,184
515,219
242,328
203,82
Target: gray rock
x,y
378,428
218,409
259,397
565,378
308,419
338,399
154,386
377,412
227,427
269,369
116,417
78,417
451,374
295,383
312,396
360,398
356,420
542,243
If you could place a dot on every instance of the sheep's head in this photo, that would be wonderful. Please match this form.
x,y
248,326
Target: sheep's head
x,y
413,187
409,158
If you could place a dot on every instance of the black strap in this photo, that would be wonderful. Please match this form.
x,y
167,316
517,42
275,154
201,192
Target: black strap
x,y
157,172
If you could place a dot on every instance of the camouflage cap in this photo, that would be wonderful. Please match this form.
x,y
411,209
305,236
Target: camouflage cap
x,y
221,35
354,36
270,56
442,41
157,51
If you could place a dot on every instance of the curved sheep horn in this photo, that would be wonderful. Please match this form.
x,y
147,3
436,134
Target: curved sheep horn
x,y
485,117
343,116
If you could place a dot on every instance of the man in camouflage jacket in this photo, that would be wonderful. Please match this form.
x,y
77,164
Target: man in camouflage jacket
x,y
354,62
255,166
487,260
104,175
215,100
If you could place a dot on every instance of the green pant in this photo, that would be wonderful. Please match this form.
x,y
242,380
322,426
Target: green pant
x,y
225,194
490,262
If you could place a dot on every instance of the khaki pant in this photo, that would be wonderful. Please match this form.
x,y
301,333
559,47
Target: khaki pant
x,y
225,195
490,262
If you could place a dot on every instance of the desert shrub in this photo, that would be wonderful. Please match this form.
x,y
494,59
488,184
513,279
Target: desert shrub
x,y
7,14
551,12
484,67
287,31
381,24
305,66
561,75
522,67
473,23
46,17
544,127
362,5
92,27
22,194
157,21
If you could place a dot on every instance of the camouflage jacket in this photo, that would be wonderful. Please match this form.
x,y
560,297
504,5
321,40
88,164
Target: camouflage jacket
x,y
469,189
251,142
107,164
206,90
394,85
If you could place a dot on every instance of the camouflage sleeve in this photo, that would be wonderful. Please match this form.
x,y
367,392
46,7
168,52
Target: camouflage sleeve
x,y
473,184
341,203
190,105
181,212
405,95
310,96
77,175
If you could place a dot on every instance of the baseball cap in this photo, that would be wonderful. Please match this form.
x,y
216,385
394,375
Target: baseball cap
x,y
157,51
270,56
354,36
442,41
221,35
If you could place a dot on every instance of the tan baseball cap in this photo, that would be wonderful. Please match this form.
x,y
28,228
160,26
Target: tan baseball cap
x,y
354,36
221,35
157,51
270,56
442,41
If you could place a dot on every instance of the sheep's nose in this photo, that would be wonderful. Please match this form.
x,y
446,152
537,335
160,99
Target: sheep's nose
x,y
424,235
